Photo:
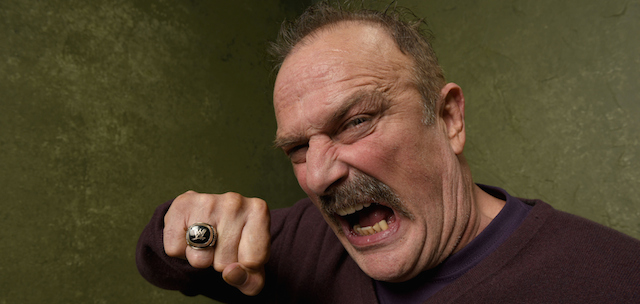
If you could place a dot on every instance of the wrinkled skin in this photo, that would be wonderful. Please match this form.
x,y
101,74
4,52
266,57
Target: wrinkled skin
x,y
345,105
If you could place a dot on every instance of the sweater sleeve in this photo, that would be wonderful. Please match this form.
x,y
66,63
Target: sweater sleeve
x,y
172,273
307,264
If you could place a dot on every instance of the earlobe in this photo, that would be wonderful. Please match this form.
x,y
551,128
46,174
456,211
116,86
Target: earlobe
x,y
452,114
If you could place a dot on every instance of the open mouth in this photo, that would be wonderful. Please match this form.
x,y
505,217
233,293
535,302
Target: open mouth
x,y
366,219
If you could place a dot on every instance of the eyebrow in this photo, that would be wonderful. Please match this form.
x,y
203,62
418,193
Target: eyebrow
x,y
357,98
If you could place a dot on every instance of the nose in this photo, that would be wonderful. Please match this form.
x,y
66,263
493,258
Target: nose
x,y
324,168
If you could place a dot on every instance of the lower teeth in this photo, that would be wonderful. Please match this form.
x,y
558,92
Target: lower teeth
x,y
369,230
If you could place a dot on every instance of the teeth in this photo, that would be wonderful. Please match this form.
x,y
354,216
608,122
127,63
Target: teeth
x,y
369,230
352,209
383,225
376,227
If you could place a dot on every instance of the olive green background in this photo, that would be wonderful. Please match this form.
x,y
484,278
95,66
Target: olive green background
x,y
109,108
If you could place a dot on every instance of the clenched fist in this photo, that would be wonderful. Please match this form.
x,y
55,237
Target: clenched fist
x,y
243,243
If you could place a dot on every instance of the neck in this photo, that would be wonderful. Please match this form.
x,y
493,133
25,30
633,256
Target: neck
x,y
482,207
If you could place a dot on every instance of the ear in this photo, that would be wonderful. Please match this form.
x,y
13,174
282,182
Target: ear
x,y
452,114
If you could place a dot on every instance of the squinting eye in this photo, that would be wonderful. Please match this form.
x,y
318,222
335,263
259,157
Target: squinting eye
x,y
298,154
357,121
295,149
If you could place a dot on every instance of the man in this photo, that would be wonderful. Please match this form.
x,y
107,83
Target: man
x,y
376,136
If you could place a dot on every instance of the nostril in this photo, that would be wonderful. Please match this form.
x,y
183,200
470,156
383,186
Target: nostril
x,y
335,184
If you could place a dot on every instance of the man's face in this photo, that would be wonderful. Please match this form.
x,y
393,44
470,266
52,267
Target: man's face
x,y
350,119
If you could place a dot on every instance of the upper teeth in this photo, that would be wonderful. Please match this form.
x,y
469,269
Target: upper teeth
x,y
352,209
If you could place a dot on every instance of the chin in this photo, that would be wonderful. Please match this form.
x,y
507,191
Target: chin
x,y
386,269
389,275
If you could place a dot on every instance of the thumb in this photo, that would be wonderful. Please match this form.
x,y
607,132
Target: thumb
x,y
248,281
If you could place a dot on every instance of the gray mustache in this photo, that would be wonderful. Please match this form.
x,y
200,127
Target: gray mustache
x,y
362,188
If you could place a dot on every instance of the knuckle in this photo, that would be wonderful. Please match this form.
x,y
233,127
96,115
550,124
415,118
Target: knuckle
x,y
219,266
259,205
233,202
183,202
172,251
200,258
171,247
258,208
199,263
253,263
256,258
186,195
233,196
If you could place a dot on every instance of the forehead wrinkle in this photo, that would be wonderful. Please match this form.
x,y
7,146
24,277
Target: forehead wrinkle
x,y
339,64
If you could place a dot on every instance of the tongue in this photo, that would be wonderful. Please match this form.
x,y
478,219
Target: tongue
x,y
371,215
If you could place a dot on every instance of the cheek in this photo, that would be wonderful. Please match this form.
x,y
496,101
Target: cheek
x,y
300,171
392,150
401,160
380,157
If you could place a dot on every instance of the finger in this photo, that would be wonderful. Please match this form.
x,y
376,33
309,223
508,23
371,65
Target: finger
x,y
200,258
229,231
174,241
255,243
248,281
175,224
174,230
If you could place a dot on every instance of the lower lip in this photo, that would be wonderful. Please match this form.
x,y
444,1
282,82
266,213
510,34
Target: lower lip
x,y
363,241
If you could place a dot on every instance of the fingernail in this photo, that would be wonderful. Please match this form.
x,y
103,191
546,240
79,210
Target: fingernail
x,y
236,277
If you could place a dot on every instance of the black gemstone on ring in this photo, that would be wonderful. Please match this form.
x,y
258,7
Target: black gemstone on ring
x,y
200,235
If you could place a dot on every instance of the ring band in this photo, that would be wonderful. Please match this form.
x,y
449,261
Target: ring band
x,y
201,236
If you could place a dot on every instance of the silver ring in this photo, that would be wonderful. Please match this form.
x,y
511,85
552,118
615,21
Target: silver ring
x,y
201,236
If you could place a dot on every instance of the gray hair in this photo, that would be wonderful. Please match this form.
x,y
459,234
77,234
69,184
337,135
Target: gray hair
x,y
403,26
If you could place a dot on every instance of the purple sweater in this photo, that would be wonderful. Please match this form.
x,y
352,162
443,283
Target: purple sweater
x,y
552,257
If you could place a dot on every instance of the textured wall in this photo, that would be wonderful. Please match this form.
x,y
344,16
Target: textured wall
x,y
109,108
553,98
